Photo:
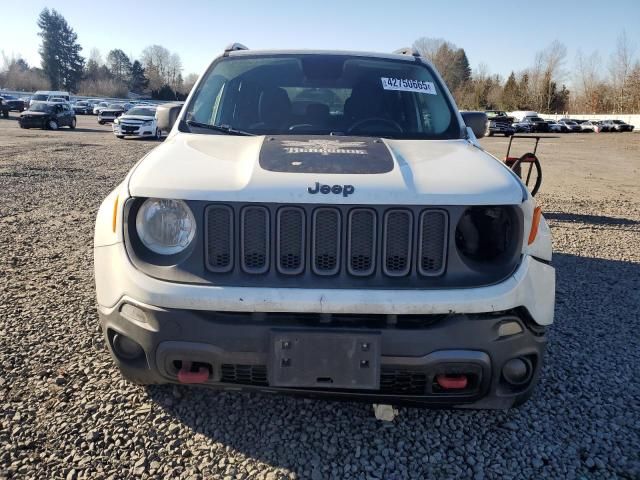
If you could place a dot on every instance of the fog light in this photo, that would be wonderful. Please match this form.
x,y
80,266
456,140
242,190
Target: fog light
x,y
133,313
126,348
517,371
506,329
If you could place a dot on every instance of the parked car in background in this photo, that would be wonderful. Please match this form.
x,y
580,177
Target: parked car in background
x,y
616,126
82,107
137,122
569,126
110,113
14,103
499,123
532,124
589,126
554,126
45,95
48,115
522,127
99,106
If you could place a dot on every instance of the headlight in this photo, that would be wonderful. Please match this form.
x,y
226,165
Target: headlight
x,y
116,121
487,234
165,226
147,122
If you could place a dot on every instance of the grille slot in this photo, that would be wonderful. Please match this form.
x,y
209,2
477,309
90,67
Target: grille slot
x,y
290,243
433,242
398,231
362,242
244,374
219,253
402,382
325,248
254,244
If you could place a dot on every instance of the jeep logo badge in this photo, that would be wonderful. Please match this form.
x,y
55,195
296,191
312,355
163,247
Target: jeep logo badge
x,y
345,190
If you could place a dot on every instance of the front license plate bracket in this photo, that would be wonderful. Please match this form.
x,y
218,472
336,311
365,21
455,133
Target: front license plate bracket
x,y
328,360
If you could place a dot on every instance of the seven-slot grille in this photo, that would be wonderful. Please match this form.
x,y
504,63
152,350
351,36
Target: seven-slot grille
x,y
326,241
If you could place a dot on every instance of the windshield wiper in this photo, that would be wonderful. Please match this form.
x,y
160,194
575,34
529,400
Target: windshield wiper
x,y
218,128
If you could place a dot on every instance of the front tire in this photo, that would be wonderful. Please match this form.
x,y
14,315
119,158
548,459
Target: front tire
x,y
158,135
120,136
52,125
5,113
100,122
73,124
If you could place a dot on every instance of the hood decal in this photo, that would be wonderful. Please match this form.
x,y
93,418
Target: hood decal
x,y
325,154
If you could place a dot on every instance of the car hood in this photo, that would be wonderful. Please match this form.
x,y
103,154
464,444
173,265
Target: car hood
x,y
294,169
35,114
142,118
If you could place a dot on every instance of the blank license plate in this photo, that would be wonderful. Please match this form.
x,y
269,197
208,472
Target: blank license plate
x,y
325,360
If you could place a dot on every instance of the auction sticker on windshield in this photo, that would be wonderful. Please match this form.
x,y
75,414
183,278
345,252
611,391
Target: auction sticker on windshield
x,y
408,85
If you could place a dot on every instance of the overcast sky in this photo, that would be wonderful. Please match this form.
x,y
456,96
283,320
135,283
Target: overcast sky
x,y
504,35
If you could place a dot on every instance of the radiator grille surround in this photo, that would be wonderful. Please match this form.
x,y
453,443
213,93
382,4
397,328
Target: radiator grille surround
x,y
361,243
414,247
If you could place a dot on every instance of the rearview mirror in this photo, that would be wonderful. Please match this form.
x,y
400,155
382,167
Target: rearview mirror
x,y
477,121
167,114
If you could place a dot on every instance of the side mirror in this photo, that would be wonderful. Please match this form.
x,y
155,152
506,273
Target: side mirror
x,y
167,114
477,121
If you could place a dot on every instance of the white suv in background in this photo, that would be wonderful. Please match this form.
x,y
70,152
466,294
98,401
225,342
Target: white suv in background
x,y
137,122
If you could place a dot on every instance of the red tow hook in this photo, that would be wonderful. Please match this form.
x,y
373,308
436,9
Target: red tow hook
x,y
452,382
185,375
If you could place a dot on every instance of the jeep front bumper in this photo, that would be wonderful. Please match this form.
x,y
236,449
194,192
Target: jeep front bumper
x,y
421,334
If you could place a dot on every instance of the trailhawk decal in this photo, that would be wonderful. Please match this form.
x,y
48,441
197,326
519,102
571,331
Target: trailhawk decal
x,y
408,85
324,147
325,154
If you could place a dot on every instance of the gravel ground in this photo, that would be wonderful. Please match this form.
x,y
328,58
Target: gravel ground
x,y
66,413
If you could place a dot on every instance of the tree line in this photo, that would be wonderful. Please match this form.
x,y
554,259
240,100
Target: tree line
x,y
157,73
542,86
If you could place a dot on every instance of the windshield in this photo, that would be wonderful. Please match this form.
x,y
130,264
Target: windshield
x,y
40,107
322,94
82,104
618,122
39,97
144,112
115,106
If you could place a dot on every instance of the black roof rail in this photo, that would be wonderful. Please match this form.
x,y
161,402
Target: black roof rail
x,y
407,51
233,47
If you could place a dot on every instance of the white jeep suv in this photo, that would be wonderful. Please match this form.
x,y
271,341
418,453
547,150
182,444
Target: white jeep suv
x,y
326,223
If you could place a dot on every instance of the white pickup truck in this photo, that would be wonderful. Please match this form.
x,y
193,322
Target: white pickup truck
x,y
326,224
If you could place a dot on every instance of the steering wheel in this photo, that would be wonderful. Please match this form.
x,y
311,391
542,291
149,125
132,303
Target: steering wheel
x,y
392,123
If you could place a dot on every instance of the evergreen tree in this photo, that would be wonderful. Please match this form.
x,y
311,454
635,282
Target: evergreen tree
x,y
60,51
139,82
524,98
510,93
